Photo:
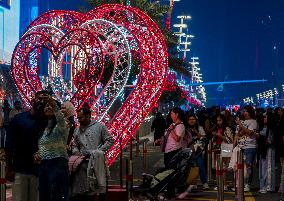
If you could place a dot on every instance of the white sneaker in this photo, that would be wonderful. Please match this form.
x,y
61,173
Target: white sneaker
x,y
263,190
205,186
268,189
162,198
190,188
183,195
225,188
247,188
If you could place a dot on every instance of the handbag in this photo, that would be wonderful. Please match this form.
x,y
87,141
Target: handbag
x,y
165,137
74,163
226,149
193,175
216,148
163,143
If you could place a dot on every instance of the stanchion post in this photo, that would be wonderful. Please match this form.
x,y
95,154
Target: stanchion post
x,y
220,177
130,166
2,181
127,176
144,156
240,176
2,175
209,161
282,185
120,163
137,144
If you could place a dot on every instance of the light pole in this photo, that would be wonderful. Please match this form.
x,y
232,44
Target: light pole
x,y
169,14
181,34
186,43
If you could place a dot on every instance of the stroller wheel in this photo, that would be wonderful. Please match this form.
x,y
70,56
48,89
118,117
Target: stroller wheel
x,y
162,198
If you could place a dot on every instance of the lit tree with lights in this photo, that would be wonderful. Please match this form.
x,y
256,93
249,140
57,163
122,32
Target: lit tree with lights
x,y
157,12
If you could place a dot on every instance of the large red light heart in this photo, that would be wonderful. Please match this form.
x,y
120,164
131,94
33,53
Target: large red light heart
x,y
29,73
116,48
151,50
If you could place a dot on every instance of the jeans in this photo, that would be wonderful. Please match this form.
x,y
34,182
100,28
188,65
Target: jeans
x,y
262,173
53,180
25,187
202,172
249,155
271,169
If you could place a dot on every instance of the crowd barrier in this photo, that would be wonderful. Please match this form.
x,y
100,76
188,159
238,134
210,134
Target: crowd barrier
x,y
240,177
209,162
220,177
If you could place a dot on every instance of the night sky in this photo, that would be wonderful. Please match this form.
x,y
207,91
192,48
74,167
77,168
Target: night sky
x,y
236,40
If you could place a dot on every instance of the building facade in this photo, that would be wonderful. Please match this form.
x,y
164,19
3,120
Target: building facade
x,y
9,28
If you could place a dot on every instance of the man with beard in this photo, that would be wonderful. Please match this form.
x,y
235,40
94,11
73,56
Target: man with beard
x,y
22,144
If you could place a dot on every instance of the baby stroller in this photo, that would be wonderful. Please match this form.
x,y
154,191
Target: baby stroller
x,y
176,175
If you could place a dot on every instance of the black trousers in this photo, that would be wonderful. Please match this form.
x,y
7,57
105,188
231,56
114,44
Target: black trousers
x,y
102,197
169,156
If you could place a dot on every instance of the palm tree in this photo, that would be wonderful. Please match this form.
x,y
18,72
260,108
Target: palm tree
x,y
156,11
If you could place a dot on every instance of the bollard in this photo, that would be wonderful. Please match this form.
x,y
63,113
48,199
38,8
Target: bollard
x,y
220,177
240,177
209,162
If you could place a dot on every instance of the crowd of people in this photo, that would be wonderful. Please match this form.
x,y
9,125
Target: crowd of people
x,y
39,144
257,132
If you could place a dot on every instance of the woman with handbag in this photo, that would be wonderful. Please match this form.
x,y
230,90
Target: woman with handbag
x,y
197,133
246,140
172,142
174,134
223,138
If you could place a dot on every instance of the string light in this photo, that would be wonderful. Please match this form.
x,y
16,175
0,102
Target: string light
x,y
112,31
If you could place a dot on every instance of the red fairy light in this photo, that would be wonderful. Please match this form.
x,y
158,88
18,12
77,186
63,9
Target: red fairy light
x,y
96,35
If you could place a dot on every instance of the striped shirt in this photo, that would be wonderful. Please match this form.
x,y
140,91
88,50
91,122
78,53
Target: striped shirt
x,y
53,144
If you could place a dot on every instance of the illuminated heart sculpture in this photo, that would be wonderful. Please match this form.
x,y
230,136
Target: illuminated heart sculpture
x,y
90,39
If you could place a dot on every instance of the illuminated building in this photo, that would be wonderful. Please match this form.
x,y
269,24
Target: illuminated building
x,y
9,28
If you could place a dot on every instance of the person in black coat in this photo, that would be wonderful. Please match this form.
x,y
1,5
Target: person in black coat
x,y
158,126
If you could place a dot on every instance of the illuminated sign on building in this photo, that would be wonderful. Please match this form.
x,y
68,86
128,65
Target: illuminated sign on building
x,y
5,3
